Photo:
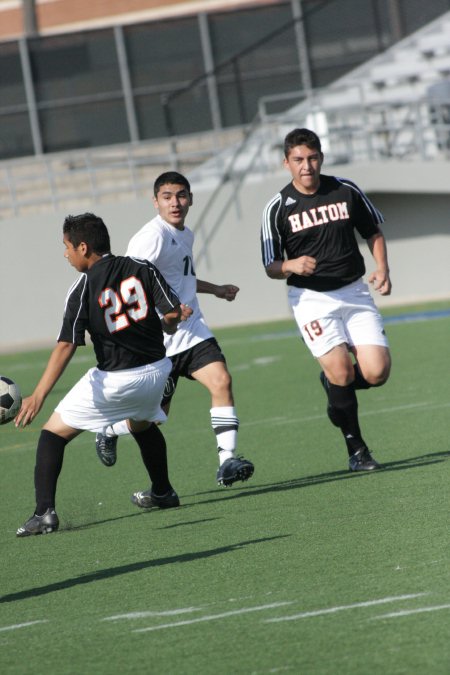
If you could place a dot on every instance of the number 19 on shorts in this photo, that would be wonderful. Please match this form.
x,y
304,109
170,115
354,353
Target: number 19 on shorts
x,y
313,329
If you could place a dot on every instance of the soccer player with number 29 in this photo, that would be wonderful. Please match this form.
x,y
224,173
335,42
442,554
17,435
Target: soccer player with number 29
x,y
114,299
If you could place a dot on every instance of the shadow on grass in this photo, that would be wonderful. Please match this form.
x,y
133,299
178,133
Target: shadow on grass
x,y
69,526
187,522
112,572
321,478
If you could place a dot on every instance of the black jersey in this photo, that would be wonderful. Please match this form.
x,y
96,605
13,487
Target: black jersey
x,y
115,302
321,225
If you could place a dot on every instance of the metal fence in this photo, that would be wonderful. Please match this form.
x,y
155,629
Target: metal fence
x,y
188,74
358,133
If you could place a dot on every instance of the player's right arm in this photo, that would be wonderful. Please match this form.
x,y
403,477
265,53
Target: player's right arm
x,y
282,269
56,365
71,334
272,246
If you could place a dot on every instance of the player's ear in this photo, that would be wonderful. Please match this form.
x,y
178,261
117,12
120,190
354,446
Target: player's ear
x,y
84,248
191,199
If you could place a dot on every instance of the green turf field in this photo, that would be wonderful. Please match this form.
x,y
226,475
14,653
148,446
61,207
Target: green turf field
x,y
306,569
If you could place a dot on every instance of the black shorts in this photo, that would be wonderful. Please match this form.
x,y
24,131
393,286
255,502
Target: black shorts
x,y
186,363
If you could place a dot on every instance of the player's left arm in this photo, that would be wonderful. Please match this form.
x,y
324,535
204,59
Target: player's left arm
x,y
224,291
56,365
380,277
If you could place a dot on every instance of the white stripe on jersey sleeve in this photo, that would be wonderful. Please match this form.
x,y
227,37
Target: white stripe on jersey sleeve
x,y
374,212
82,279
266,230
156,274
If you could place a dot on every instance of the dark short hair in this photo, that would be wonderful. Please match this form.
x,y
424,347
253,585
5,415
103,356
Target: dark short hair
x,y
301,137
170,178
88,228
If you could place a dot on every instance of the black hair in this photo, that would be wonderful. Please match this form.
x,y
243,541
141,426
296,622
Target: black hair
x,y
301,137
88,228
170,178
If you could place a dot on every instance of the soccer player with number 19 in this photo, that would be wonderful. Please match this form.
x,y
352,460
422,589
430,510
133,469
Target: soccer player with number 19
x,y
308,238
115,300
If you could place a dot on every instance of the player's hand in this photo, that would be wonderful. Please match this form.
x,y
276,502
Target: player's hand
x,y
227,292
381,282
185,312
171,320
28,411
304,266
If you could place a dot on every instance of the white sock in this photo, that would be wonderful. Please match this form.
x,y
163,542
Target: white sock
x,y
118,429
225,425
224,455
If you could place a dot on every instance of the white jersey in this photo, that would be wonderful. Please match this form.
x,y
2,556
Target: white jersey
x,y
170,250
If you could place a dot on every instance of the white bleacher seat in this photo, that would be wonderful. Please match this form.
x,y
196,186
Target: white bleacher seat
x,y
435,44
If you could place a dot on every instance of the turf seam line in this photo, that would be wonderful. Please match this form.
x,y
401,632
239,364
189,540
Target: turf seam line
x,y
409,612
356,605
212,617
23,625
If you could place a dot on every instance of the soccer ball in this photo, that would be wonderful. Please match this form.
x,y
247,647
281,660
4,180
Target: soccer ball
x,y
10,399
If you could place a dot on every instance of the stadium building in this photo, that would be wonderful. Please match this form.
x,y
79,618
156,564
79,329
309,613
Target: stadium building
x,y
96,102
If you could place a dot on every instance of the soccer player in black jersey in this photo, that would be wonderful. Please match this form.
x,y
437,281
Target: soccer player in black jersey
x,y
308,238
115,300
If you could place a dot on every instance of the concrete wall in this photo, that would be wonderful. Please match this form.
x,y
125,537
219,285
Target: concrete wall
x,y
415,200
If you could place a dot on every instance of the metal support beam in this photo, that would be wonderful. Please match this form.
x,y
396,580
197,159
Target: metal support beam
x,y
208,60
302,48
127,89
30,22
395,20
30,96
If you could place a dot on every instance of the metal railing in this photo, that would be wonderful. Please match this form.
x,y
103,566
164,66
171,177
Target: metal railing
x,y
351,132
81,178
357,132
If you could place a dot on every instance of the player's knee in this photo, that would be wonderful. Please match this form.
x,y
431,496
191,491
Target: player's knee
x,y
379,376
221,382
341,375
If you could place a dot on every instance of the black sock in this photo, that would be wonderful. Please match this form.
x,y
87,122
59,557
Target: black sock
x,y
49,459
152,445
360,382
344,400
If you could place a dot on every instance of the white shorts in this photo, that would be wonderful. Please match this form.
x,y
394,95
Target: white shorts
x,y
327,319
102,397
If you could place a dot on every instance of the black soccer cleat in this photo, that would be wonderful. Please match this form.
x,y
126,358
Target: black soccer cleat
x,y
106,447
332,413
362,460
48,522
148,500
233,469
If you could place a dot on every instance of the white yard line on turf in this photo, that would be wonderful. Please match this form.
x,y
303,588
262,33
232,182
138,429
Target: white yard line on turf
x,y
341,608
23,625
144,615
212,617
409,612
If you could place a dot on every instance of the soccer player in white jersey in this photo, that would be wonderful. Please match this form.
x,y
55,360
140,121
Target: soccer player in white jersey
x,y
167,242
308,238
115,300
